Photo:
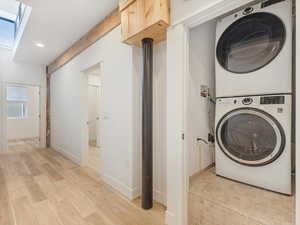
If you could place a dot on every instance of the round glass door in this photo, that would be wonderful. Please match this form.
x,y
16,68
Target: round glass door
x,y
250,137
251,43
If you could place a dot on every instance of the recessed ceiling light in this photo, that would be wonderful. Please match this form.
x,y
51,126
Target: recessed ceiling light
x,y
40,45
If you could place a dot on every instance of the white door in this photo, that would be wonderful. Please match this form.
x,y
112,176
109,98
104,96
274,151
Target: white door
x,y
98,117
95,114
92,113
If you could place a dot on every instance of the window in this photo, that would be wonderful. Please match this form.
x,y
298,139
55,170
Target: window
x,y
7,32
17,98
11,17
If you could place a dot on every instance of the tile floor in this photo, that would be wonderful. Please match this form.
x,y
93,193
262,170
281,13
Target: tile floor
x,y
218,201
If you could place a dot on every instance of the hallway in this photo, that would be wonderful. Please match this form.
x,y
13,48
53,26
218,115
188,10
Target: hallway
x,y
41,187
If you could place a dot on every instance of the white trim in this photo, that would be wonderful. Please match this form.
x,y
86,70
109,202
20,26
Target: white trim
x,y
170,218
176,192
297,137
119,186
160,197
186,67
212,11
22,27
157,195
85,119
68,155
136,192
4,118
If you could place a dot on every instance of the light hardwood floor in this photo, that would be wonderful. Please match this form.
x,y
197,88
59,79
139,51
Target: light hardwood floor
x,y
41,187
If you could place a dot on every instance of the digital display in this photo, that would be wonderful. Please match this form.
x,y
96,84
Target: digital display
x,y
270,2
272,100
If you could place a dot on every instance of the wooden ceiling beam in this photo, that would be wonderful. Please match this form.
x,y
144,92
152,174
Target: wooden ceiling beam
x,y
97,32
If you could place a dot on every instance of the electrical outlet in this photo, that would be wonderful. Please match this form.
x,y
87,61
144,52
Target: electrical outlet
x,y
211,138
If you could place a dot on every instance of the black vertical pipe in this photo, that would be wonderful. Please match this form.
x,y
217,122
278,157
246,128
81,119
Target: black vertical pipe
x,y
147,151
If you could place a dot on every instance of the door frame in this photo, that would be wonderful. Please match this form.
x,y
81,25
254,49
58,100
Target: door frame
x,y
4,85
85,118
178,214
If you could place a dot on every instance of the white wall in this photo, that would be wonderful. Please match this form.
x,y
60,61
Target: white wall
x,y
69,109
202,72
121,70
181,9
22,73
176,182
28,127
159,119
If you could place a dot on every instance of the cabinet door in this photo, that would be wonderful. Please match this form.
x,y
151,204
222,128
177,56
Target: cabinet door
x,y
144,18
132,21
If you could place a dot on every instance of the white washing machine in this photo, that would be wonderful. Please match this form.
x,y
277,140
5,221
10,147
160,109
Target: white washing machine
x,y
254,50
254,141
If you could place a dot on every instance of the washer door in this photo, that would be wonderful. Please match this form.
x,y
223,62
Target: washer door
x,y
250,137
251,43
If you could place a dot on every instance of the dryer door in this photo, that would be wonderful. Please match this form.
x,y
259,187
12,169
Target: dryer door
x,y
250,137
251,43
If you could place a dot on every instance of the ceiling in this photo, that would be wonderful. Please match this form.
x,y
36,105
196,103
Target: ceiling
x,y
58,24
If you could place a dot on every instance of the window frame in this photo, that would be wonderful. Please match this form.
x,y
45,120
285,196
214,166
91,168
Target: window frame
x,y
24,103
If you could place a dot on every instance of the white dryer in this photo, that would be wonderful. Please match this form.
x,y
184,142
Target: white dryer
x,y
254,50
254,141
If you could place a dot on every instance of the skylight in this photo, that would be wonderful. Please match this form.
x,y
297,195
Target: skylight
x,y
11,15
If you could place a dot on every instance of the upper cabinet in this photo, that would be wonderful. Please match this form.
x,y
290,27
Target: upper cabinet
x,y
144,19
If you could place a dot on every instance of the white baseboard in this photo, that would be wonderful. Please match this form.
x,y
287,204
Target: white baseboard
x,y
158,196
68,155
119,186
170,218
135,193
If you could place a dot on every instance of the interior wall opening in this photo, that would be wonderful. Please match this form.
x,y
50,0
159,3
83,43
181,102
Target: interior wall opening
x,y
226,187
22,116
94,89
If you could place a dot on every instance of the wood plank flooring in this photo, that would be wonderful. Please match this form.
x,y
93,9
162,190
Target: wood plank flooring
x,y
41,187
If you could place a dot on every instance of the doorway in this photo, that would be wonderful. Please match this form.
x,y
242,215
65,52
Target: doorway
x,y
94,90
212,193
22,116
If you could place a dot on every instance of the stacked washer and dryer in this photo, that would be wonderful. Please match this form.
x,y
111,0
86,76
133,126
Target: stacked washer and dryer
x,y
254,96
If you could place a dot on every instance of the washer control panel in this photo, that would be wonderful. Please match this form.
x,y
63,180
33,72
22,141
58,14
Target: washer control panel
x,y
272,100
255,100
